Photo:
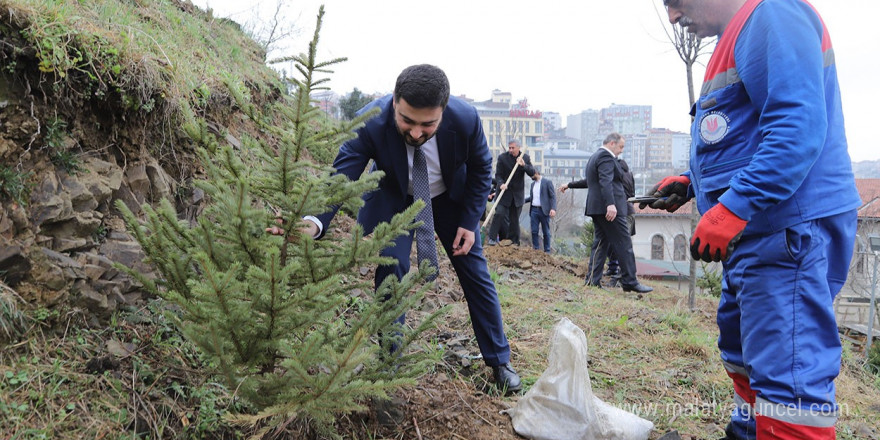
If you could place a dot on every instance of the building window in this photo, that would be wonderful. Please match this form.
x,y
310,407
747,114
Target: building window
x,y
657,245
679,252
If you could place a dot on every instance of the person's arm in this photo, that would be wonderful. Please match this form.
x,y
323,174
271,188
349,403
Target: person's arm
x,y
351,161
780,60
605,165
501,172
479,176
527,166
552,196
478,182
577,184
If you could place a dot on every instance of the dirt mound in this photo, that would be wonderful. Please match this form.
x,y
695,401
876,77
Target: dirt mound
x,y
531,260
458,400
440,407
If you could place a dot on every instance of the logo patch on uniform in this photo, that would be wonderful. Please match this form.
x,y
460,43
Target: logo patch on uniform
x,y
713,127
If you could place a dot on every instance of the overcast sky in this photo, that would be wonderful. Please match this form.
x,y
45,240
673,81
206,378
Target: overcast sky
x,y
564,56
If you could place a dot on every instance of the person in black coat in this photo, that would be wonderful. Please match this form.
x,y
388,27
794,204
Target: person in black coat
x,y
629,188
605,200
510,204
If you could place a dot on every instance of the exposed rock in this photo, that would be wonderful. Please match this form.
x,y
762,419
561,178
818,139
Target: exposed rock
x,y
104,265
14,264
50,208
51,277
161,184
91,299
94,272
128,254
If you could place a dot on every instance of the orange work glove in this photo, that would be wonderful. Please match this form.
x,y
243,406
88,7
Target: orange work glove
x,y
716,234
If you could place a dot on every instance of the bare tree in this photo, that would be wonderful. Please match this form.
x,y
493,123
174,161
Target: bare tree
x,y
272,33
689,48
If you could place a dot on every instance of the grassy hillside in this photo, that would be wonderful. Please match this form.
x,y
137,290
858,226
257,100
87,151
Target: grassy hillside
x,y
148,55
651,356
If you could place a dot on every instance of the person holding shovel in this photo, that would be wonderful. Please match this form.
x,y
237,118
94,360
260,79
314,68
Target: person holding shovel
x,y
510,171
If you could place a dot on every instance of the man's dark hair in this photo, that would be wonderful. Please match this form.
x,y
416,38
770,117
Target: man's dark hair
x,y
422,86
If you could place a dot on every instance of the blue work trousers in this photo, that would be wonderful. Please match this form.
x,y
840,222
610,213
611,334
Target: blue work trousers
x,y
778,334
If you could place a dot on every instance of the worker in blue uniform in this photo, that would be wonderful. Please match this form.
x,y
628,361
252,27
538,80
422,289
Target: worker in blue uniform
x,y
772,178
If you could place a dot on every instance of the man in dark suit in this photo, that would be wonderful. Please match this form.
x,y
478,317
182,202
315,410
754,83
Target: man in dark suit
x,y
420,114
542,196
511,202
629,190
605,200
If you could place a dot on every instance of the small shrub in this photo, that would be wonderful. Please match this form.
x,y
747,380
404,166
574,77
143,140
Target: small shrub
x,y
15,185
710,282
873,364
58,154
12,320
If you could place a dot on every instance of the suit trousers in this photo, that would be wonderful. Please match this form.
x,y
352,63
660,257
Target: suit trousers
x,y
539,219
506,218
613,262
473,275
615,236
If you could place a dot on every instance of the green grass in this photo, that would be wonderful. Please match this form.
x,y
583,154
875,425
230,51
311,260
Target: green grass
x,y
72,385
145,56
15,185
650,355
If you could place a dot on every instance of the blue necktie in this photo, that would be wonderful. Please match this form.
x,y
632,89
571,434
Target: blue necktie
x,y
426,249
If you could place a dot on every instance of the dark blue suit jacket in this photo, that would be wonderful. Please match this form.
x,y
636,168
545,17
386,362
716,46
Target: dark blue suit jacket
x,y
465,163
547,193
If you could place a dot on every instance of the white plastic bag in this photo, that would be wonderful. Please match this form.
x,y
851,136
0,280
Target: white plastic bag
x,y
561,404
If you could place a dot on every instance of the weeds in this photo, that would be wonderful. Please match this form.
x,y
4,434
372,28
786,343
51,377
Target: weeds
x,y
64,381
15,185
63,158
12,321
710,282
873,361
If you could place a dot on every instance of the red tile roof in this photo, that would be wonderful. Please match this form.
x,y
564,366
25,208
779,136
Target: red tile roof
x,y
869,191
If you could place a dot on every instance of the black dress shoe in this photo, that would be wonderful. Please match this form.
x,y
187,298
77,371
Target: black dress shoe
x,y
506,379
612,272
640,288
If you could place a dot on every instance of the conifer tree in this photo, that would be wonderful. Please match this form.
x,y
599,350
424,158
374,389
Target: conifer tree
x,y
277,313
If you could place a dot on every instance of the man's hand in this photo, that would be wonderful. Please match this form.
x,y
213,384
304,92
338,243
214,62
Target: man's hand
x,y
309,228
716,234
563,187
672,192
464,240
520,161
503,187
552,213
610,213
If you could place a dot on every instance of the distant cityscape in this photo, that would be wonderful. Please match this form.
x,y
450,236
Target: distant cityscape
x,y
561,152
